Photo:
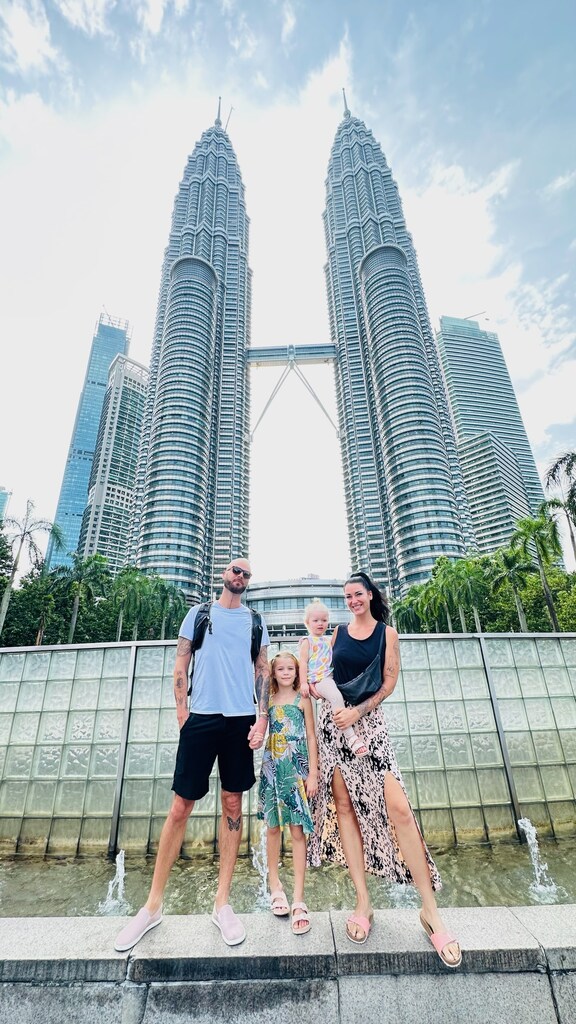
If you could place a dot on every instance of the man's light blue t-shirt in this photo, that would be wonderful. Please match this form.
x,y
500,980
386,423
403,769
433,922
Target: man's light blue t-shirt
x,y
223,680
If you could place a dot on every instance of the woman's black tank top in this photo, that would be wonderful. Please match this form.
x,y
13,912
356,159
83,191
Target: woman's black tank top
x,y
350,657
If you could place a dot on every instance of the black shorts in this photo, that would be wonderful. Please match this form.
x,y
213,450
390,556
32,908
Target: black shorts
x,y
203,738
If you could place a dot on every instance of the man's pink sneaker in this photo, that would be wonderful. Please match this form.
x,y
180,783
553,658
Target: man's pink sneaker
x,y
136,928
231,927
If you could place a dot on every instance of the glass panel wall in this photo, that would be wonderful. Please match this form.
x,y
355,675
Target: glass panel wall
x,y
84,727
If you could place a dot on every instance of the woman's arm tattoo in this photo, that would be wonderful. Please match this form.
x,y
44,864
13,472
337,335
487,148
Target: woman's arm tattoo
x,y
262,681
391,671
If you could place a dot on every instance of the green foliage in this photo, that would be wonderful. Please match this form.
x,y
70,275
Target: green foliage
x,y
45,606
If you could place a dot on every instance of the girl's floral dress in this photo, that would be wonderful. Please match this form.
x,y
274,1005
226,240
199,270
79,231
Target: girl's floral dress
x,y
282,797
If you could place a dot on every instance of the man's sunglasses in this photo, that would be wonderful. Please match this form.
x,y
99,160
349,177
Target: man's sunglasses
x,y
240,572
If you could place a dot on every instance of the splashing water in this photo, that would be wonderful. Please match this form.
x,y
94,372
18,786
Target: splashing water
x,y
260,862
115,903
543,888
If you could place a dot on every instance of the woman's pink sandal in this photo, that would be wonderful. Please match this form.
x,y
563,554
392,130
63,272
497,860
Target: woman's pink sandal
x,y
303,916
279,903
440,941
365,923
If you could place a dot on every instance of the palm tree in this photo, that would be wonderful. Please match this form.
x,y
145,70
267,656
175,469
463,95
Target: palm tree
x,y
469,586
123,588
568,507
443,576
509,568
85,580
138,601
24,532
538,535
169,600
427,605
562,474
405,611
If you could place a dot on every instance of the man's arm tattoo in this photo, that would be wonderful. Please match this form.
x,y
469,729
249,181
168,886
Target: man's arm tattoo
x,y
183,647
180,687
233,823
262,681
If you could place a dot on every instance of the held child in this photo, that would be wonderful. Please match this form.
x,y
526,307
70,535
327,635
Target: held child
x,y
289,775
316,668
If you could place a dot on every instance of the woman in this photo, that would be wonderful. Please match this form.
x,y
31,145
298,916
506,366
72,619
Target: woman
x,y
363,819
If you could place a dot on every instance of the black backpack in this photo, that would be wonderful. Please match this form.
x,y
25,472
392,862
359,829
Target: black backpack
x,y
203,622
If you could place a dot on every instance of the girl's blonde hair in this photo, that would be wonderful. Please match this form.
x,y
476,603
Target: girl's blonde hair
x,y
315,606
273,683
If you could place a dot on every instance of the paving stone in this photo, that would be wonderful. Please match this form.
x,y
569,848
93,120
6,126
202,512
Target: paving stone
x,y
564,988
55,1004
554,927
63,949
492,939
192,949
256,1002
452,999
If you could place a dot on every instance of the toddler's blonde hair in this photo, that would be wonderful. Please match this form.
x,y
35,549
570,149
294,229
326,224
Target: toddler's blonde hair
x,y
315,606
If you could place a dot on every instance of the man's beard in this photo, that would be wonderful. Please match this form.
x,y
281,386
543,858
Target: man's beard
x,y
232,586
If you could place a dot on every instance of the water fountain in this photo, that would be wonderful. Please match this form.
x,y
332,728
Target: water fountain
x,y
543,888
115,904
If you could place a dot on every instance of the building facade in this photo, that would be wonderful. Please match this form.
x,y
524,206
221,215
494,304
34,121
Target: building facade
x,y
112,336
283,602
496,493
483,401
106,521
191,506
4,499
404,492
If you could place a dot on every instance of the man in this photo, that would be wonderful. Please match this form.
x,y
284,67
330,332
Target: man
x,y
221,723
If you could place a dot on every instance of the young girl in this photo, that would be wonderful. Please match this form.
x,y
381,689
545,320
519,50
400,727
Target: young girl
x,y
316,667
288,777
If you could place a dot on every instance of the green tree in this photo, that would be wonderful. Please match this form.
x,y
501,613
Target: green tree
x,y
561,474
167,600
84,581
123,594
24,533
138,604
508,568
537,536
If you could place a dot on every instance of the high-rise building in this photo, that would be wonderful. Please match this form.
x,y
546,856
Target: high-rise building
x,y
495,489
106,521
191,508
483,402
404,492
110,338
4,499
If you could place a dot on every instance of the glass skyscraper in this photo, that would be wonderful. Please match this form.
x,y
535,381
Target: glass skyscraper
x,y
106,521
4,499
483,401
404,492
191,508
110,338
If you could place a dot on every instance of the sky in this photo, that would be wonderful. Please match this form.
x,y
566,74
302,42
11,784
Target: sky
x,y
100,104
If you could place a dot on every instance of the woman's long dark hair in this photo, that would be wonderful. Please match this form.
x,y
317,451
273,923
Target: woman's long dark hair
x,y
378,608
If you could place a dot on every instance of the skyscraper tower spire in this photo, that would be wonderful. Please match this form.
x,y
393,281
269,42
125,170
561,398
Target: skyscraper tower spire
x,y
402,481
192,489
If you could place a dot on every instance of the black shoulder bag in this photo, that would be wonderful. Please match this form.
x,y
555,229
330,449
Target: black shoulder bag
x,y
365,685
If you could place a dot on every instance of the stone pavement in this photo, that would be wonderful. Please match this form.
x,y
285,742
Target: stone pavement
x,y
519,965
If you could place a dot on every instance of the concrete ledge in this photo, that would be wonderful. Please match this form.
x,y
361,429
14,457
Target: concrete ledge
x,y
516,960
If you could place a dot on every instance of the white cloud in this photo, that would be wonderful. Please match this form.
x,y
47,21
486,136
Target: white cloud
x,y
150,14
87,15
560,184
25,37
288,22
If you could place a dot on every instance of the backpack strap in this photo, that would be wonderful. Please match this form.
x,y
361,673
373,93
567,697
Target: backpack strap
x,y
202,622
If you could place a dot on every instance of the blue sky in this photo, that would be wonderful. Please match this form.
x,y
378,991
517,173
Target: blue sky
x,y
101,102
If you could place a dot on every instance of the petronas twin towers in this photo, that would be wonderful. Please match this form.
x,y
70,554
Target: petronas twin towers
x,y
404,494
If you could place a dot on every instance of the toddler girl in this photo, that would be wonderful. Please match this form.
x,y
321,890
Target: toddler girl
x,y
289,775
316,668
